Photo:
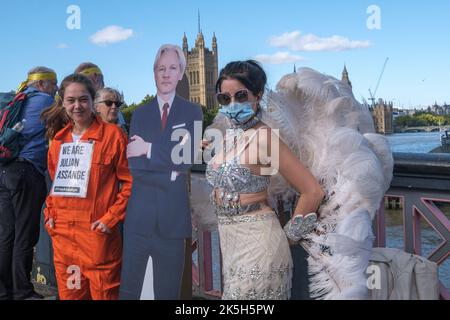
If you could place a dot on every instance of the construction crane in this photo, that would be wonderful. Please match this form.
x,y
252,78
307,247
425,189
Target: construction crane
x,y
373,95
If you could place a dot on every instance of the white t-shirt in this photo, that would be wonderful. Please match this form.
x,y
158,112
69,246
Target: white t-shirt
x,y
75,137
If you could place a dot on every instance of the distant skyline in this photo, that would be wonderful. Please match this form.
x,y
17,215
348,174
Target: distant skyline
x,y
122,37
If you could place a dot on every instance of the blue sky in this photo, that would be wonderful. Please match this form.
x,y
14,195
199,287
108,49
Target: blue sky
x,y
413,34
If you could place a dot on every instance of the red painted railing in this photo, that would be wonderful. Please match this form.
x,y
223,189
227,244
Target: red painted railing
x,y
202,269
420,181
417,205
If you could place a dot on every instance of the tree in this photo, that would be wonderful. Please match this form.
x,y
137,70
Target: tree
x,y
208,115
422,119
127,111
403,121
147,99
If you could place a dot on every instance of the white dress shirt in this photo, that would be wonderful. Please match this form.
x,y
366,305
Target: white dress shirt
x,y
161,104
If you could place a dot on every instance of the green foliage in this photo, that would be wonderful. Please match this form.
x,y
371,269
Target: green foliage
x,y
422,119
147,99
208,115
128,110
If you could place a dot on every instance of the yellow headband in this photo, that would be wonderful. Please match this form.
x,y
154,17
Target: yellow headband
x,y
91,71
37,77
42,76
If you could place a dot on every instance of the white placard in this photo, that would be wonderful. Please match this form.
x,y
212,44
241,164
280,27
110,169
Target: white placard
x,y
74,167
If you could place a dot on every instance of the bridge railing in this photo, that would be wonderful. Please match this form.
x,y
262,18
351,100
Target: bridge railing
x,y
423,129
421,184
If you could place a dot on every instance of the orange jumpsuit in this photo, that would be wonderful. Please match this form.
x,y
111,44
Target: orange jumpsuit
x,y
87,263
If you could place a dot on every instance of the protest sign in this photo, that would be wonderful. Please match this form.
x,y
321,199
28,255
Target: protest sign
x,y
74,166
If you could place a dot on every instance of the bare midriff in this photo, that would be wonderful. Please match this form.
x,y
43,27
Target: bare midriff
x,y
248,199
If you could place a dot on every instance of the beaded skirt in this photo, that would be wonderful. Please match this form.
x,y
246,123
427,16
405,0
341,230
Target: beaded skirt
x,y
257,262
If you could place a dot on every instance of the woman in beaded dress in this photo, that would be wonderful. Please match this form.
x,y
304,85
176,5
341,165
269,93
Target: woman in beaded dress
x,y
257,262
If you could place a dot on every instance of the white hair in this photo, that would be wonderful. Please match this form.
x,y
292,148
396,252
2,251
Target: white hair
x,y
99,94
171,47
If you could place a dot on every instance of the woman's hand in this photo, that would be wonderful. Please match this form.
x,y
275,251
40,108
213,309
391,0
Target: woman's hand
x,y
300,226
137,147
50,226
98,225
205,143
51,223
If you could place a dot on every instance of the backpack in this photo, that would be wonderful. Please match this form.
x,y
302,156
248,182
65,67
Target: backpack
x,y
11,125
403,276
5,98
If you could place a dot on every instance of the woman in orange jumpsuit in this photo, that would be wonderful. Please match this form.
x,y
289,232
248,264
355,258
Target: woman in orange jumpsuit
x,y
86,238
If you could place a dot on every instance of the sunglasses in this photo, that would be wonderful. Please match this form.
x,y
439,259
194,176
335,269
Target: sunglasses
x,y
224,99
109,103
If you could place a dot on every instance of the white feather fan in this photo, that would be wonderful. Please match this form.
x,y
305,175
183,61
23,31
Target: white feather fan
x,y
332,134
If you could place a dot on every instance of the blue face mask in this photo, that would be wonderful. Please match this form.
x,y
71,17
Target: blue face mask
x,y
238,112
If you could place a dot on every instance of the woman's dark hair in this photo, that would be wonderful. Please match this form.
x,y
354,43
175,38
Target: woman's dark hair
x,y
249,73
55,118
76,78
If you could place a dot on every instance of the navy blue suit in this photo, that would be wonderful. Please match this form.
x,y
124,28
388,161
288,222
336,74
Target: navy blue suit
x,y
158,216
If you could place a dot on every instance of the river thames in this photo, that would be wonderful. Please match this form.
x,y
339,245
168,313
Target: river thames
x,y
421,142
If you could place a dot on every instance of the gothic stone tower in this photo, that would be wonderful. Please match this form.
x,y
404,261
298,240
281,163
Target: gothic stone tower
x,y
345,78
202,70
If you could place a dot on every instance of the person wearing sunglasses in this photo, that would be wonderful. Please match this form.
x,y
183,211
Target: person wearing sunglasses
x,y
94,73
257,262
107,104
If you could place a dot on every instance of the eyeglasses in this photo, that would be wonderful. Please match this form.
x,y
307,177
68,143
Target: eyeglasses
x,y
109,103
224,99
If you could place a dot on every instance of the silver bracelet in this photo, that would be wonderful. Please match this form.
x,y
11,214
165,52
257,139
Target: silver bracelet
x,y
299,226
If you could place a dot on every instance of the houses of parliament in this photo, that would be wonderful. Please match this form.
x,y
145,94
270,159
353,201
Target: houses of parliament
x,y
202,70
381,111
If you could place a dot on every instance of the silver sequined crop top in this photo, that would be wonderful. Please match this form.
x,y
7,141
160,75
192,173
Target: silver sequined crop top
x,y
233,177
